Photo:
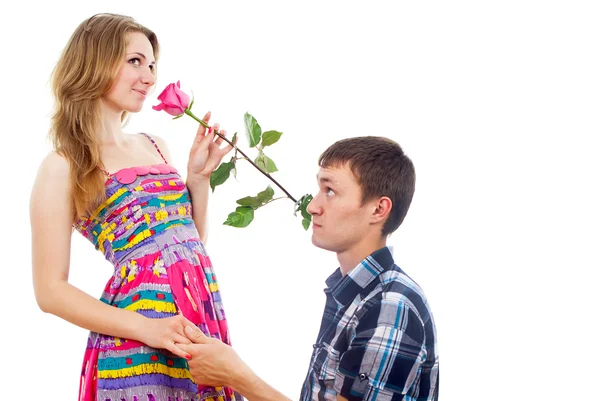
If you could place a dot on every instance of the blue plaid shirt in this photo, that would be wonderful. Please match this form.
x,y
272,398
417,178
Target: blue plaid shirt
x,y
377,339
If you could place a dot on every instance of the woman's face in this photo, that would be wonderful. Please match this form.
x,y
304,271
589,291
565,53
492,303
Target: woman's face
x,y
135,77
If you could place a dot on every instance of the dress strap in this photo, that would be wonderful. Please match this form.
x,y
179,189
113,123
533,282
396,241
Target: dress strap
x,y
104,171
155,145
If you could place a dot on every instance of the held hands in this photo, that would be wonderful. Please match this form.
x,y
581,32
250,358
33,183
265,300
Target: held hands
x,y
167,333
213,362
206,152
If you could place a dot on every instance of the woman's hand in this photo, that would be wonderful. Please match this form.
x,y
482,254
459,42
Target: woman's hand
x,y
165,333
206,152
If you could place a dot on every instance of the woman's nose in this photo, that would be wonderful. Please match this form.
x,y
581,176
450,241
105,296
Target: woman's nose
x,y
148,78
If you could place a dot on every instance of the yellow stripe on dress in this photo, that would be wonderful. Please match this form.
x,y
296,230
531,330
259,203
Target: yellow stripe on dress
x,y
136,240
150,304
170,197
146,368
110,200
106,234
161,215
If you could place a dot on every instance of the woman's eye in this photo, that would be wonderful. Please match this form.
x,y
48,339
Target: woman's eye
x,y
135,61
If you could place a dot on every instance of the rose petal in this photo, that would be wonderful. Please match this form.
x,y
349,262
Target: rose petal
x,y
173,100
174,110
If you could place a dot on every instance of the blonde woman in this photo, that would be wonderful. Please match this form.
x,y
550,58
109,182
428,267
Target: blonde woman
x,y
121,192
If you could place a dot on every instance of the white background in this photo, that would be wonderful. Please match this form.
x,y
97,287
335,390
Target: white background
x,y
496,103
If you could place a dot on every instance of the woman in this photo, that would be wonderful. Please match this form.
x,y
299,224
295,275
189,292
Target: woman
x,y
120,191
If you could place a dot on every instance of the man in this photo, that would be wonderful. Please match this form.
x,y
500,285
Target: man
x,y
377,339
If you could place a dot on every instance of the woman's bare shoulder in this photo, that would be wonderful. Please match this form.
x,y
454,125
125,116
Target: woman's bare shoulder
x,y
160,141
51,192
162,145
54,166
52,178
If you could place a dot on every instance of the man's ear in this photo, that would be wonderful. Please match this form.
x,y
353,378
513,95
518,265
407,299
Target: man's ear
x,y
382,209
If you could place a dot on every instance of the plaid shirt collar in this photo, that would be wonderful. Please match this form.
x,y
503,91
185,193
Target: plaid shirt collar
x,y
344,289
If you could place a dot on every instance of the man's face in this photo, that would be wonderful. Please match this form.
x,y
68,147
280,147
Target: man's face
x,y
340,221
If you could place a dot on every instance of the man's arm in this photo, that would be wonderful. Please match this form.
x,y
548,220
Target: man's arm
x,y
215,363
253,388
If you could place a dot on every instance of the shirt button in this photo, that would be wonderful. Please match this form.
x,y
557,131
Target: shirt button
x,y
362,376
315,346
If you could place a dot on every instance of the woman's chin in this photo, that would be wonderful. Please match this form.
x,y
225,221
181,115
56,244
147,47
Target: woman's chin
x,y
134,109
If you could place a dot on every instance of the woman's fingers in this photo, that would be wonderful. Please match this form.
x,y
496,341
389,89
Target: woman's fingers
x,y
178,338
201,132
177,351
219,139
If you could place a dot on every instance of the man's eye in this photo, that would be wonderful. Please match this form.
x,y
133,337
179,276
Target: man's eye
x,y
330,192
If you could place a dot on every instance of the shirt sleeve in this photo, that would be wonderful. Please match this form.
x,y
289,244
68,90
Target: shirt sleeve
x,y
384,360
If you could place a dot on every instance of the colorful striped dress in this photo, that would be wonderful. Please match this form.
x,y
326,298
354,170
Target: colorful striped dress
x,y
145,229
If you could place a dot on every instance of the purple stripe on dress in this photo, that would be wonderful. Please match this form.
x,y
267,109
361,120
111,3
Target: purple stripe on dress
x,y
154,379
154,314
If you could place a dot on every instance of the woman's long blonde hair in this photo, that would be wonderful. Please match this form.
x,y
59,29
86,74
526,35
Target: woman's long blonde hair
x,y
84,73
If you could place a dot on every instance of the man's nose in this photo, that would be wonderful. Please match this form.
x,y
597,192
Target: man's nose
x,y
313,206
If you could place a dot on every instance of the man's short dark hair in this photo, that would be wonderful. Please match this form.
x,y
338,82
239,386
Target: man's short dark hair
x,y
381,169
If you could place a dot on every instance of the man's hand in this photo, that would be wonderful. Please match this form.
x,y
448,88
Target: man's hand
x,y
213,362
216,364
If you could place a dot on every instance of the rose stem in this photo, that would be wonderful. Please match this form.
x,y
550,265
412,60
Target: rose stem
x,y
189,113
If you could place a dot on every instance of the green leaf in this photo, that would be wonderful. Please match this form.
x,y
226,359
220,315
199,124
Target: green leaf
x,y
265,163
192,102
179,116
270,137
259,200
253,130
306,223
266,195
301,207
220,175
242,216
250,201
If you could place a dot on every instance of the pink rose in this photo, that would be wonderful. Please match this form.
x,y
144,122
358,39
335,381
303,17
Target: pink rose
x,y
173,100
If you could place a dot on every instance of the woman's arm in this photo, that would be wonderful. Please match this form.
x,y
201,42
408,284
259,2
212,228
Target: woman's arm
x,y
51,216
198,189
205,156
